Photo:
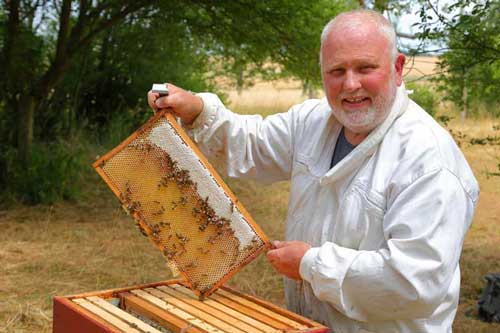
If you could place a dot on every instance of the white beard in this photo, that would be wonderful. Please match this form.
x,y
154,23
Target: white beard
x,y
365,120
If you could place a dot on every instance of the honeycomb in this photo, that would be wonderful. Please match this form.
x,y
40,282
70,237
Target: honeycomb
x,y
181,204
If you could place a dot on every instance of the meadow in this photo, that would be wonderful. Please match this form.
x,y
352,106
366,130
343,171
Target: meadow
x,y
91,244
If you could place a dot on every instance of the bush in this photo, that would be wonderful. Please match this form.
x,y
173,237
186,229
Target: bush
x,y
55,173
423,96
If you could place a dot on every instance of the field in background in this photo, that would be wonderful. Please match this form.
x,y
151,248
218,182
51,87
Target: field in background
x,y
278,96
89,245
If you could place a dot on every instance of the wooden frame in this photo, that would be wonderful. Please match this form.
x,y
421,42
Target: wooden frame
x,y
169,305
98,165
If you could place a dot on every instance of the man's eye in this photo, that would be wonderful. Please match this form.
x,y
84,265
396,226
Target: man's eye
x,y
337,71
367,68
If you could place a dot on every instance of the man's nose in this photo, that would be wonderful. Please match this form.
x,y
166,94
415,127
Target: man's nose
x,y
351,82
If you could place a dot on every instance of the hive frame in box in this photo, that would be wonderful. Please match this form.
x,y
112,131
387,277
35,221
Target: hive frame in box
x,y
169,304
261,241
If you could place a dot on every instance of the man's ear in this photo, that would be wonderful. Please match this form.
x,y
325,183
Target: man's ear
x,y
399,64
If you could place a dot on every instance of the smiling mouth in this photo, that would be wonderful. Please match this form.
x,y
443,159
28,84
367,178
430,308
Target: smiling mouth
x,y
355,100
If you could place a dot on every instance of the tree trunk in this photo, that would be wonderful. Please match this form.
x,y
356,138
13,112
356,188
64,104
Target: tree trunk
x,y
463,114
25,125
308,89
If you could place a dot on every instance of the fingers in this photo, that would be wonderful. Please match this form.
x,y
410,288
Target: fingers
x,y
163,102
280,244
152,97
273,257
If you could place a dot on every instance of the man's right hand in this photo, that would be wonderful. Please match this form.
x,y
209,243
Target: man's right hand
x,y
180,102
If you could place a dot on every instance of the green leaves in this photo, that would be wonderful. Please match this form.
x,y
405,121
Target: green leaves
x,y
471,61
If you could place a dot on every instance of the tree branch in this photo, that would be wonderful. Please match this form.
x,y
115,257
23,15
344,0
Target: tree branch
x,y
64,27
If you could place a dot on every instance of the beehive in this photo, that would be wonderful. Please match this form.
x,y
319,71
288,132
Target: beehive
x,y
180,202
169,306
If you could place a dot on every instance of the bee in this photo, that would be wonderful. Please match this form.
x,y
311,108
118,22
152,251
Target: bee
x,y
221,223
223,252
169,254
195,211
212,239
148,147
127,187
165,224
191,265
247,248
183,239
133,207
174,205
203,251
183,201
141,229
132,325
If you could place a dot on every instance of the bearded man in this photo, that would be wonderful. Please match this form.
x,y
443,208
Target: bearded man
x,y
381,196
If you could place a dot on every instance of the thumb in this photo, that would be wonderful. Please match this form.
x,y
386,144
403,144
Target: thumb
x,y
279,244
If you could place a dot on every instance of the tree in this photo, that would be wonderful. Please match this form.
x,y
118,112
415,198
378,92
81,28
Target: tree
x,y
66,62
470,59
78,25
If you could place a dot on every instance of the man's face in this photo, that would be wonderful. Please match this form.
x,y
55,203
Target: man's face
x,y
359,76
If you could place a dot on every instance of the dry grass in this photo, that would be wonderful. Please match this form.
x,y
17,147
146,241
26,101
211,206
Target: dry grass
x,y
91,245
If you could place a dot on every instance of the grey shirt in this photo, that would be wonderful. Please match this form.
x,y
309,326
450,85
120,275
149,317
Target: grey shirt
x,y
342,149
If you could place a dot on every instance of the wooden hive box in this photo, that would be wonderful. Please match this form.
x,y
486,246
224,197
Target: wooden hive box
x,y
169,306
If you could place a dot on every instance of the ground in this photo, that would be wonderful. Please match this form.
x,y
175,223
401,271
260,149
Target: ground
x,y
91,244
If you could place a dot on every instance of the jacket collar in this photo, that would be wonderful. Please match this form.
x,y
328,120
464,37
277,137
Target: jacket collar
x,y
368,146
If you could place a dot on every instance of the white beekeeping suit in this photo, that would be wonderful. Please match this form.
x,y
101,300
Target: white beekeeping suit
x,y
386,224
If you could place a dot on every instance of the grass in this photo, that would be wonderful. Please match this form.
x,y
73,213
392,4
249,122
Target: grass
x,y
91,244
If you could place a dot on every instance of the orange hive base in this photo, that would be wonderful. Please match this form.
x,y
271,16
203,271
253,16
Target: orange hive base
x,y
169,306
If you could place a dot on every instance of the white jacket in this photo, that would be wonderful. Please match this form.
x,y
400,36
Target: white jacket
x,y
386,224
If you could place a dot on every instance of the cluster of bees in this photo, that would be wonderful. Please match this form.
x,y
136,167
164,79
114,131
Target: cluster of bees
x,y
171,172
208,216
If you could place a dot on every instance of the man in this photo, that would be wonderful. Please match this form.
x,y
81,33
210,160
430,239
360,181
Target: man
x,y
381,197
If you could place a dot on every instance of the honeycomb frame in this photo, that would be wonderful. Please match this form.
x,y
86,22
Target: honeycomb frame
x,y
221,240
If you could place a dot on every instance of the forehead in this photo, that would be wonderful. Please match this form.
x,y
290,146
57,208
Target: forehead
x,y
349,42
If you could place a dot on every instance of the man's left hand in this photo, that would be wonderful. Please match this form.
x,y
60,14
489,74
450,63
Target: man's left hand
x,y
286,257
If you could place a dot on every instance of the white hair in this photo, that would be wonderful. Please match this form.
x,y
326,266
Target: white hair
x,y
361,16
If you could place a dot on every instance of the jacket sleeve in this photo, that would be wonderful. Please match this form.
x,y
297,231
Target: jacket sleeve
x,y
247,146
424,228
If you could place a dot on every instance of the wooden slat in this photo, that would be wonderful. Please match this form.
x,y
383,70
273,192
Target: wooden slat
x,y
224,316
194,311
144,308
111,292
255,324
261,309
275,308
127,317
204,326
250,312
123,326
